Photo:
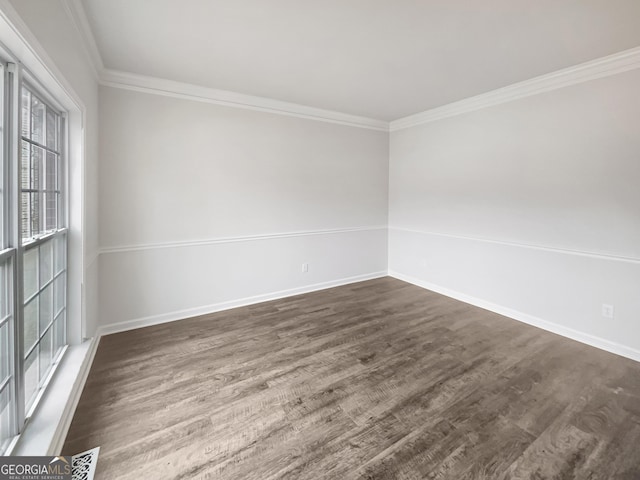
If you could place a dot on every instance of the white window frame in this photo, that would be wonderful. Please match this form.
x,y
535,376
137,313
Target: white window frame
x,y
22,404
38,70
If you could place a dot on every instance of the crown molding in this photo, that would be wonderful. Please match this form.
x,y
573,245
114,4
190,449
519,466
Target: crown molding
x,y
76,13
170,88
21,41
187,91
601,67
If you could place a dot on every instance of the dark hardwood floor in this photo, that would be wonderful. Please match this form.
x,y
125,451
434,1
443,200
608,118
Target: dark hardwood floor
x,y
375,380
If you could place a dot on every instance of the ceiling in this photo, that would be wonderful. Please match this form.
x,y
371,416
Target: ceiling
x,y
383,59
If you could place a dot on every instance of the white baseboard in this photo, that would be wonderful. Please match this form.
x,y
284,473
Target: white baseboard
x,y
241,302
85,354
576,335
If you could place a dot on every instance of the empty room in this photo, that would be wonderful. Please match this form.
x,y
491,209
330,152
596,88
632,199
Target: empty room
x,y
339,239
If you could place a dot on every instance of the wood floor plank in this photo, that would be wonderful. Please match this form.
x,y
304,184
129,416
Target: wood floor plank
x,y
374,380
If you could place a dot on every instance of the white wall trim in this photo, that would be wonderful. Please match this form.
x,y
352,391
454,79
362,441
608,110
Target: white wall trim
x,y
78,17
46,430
241,302
90,259
159,86
246,238
601,67
35,58
74,398
187,91
576,335
581,253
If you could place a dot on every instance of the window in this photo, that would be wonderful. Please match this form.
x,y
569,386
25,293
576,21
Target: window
x,y
43,260
33,246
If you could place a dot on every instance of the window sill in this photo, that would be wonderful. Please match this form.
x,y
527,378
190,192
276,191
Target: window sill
x,y
45,432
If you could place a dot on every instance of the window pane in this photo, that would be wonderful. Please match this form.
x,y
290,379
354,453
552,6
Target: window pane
x,y
60,254
25,179
5,292
5,352
46,262
59,286
52,130
45,354
25,129
32,206
36,168
59,339
30,267
46,307
25,223
30,324
38,112
30,377
30,214
5,417
50,168
51,213
25,164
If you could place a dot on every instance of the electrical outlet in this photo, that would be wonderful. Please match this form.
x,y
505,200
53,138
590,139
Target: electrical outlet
x,y
305,267
607,310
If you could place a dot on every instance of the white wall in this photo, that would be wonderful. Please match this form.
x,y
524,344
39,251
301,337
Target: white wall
x,y
558,170
54,30
195,199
